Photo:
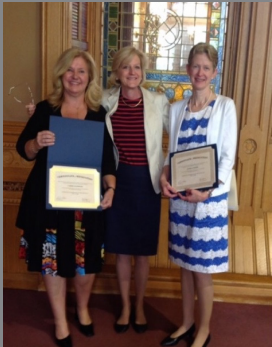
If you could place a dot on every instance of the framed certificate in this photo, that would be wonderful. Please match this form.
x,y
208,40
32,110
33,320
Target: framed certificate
x,y
74,187
195,168
74,164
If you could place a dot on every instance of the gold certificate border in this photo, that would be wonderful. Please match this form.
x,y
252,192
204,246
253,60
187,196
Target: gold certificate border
x,y
91,173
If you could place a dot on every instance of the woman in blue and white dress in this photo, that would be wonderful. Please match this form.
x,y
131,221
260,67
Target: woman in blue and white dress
x,y
198,220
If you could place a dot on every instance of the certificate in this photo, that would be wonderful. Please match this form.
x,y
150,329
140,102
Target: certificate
x,y
73,178
73,187
195,168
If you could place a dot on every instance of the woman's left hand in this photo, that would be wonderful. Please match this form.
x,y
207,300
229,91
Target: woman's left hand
x,y
107,199
193,195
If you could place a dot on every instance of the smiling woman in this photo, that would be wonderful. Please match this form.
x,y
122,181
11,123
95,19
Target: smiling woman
x,y
76,78
198,232
135,119
202,69
64,243
130,75
75,81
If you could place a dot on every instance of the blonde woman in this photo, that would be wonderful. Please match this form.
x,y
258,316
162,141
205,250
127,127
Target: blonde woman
x,y
135,120
63,243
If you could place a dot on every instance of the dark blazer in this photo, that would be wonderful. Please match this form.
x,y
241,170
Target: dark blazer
x,y
33,217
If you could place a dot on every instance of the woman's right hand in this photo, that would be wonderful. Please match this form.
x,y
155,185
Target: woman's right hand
x,y
45,138
166,187
30,109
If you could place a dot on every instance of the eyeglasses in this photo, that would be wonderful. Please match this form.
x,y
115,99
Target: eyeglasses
x,y
18,90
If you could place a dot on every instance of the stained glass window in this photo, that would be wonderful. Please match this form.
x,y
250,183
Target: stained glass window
x,y
165,31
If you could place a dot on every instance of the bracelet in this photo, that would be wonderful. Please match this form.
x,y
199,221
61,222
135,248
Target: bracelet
x,y
32,147
110,188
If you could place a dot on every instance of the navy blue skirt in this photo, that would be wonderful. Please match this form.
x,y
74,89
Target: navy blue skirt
x,y
133,221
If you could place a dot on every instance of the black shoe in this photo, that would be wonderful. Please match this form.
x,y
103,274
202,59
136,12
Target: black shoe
x,y
139,328
66,342
87,330
208,339
172,341
121,328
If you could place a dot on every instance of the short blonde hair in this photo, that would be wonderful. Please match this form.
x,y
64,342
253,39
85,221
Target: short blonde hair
x,y
125,55
93,93
203,47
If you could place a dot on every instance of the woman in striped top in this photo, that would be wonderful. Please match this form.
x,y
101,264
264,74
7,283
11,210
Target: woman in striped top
x,y
135,119
198,239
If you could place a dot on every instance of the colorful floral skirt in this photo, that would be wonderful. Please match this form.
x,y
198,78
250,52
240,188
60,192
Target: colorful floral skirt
x,y
49,264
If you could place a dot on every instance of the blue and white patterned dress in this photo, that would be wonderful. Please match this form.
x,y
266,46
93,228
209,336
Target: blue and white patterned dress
x,y
198,237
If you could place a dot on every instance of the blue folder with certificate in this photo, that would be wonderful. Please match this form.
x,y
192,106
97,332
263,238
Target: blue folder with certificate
x,y
74,164
195,168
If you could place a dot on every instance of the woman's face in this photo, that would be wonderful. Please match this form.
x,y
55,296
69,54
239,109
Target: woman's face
x,y
76,78
201,71
130,74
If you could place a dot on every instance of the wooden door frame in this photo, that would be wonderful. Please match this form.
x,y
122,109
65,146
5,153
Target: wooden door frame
x,y
57,36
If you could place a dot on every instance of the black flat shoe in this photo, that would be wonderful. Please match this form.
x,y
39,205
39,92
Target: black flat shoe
x,y
139,328
121,328
87,330
172,341
66,342
208,339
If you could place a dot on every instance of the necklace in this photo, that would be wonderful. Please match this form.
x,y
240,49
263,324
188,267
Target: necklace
x,y
138,103
206,103
74,112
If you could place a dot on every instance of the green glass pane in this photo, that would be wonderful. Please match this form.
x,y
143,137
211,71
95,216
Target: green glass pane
x,y
215,19
113,12
113,39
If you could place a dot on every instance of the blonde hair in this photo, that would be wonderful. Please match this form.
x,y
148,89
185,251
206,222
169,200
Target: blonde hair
x,y
125,55
203,47
93,93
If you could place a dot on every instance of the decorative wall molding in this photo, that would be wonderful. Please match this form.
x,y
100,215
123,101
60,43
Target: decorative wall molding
x,y
14,202
12,159
13,186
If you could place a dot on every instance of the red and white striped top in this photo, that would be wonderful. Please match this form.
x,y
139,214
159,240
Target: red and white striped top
x,y
128,132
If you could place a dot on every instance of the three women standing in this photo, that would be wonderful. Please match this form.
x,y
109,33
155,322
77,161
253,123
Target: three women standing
x,y
198,225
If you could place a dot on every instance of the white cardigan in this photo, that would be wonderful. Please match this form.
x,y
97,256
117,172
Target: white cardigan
x,y
222,130
156,115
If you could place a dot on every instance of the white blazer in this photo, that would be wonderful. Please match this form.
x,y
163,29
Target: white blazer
x,y
222,130
156,115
